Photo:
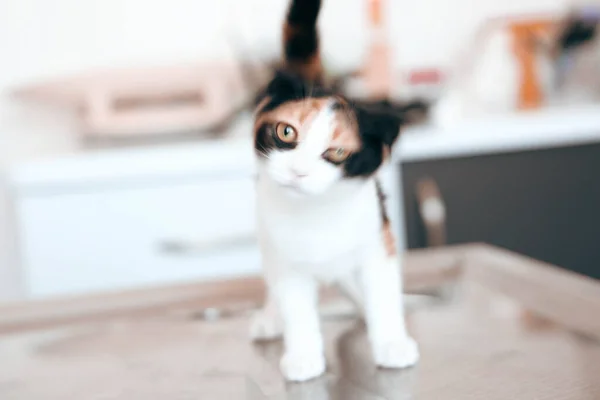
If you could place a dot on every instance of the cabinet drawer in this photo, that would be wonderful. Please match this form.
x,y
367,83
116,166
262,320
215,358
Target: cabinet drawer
x,y
119,238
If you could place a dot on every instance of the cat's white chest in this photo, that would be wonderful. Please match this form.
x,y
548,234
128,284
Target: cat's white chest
x,y
312,238
326,239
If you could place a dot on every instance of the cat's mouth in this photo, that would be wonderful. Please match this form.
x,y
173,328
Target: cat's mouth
x,y
293,187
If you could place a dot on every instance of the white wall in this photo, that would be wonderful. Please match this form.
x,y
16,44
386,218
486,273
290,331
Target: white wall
x,y
42,38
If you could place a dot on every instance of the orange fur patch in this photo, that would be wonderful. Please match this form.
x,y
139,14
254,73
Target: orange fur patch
x,y
311,69
388,240
288,32
345,134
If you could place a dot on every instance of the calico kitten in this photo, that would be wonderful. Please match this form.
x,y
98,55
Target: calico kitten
x,y
321,215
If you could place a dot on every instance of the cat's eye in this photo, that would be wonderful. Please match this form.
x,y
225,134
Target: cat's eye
x,y
336,155
286,133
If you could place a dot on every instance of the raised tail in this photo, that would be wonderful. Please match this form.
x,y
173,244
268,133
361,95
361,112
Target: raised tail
x,y
301,40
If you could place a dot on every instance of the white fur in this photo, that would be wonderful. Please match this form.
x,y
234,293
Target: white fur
x,y
324,229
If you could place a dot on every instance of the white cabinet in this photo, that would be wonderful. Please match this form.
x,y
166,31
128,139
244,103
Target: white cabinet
x,y
108,238
90,232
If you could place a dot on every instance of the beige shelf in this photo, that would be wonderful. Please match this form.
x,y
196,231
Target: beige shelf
x,y
147,100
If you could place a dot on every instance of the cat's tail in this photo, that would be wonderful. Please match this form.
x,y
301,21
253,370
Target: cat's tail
x,y
301,39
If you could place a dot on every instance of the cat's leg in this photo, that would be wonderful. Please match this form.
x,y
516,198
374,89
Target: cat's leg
x,y
297,297
381,282
266,323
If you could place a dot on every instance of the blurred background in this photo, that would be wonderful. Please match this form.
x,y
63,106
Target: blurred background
x,y
125,156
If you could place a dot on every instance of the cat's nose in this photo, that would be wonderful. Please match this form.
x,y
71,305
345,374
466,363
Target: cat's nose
x,y
299,175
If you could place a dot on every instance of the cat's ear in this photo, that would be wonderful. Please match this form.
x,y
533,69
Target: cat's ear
x,y
385,120
284,86
378,130
377,125
284,83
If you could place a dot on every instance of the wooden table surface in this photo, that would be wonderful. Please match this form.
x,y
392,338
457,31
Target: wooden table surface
x,y
490,324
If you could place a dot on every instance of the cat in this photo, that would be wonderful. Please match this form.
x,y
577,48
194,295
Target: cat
x,y
320,210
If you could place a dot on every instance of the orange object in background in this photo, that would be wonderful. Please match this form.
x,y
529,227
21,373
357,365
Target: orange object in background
x,y
375,12
525,35
377,71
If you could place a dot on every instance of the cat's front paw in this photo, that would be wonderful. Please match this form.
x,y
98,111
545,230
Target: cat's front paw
x,y
300,367
265,325
399,352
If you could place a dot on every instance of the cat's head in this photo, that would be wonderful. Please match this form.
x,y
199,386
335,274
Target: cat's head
x,y
308,139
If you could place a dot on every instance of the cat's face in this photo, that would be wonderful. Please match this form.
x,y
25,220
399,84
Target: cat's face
x,y
304,144
308,140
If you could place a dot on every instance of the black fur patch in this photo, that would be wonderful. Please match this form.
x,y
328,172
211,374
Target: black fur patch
x,y
303,41
378,130
304,12
288,86
265,140
366,161
382,197
301,45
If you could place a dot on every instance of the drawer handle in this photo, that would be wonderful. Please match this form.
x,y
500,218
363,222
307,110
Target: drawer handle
x,y
176,246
